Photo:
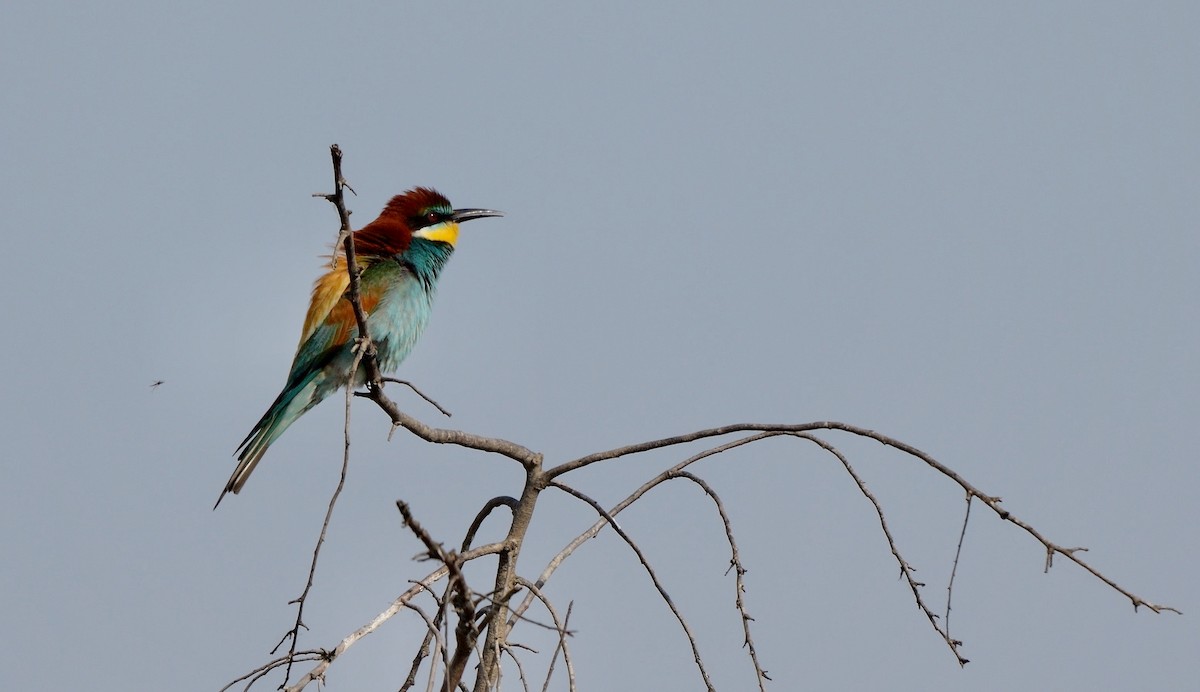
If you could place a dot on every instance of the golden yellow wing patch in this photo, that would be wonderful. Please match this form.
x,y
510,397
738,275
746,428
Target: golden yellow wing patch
x,y
328,305
327,291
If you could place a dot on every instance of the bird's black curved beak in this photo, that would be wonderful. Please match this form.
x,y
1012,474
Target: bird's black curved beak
x,y
468,214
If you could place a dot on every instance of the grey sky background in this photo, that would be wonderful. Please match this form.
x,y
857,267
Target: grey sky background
x,y
970,226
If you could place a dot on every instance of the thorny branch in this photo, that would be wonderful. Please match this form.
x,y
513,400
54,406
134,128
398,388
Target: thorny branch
x,y
346,236
739,571
500,618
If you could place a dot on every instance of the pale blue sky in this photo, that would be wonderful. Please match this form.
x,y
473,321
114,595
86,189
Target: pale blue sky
x,y
970,226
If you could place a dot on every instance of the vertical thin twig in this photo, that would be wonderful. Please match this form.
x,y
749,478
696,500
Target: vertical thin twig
x,y
344,232
957,554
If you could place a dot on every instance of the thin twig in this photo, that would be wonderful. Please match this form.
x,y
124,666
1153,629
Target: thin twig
x,y
419,658
261,671
549,626
563,633
906,569
662,592
735,564
419,393
777,428
432,629
423,650
508,649
957,554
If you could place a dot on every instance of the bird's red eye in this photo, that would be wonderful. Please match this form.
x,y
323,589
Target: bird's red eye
x,y
431,217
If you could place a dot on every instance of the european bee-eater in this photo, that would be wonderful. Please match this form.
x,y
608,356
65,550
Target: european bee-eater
x,y
400,256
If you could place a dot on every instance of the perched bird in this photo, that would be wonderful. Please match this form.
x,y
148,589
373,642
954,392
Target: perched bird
x,y
400,256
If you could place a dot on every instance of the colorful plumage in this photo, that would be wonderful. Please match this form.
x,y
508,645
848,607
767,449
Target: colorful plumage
x,y
400,256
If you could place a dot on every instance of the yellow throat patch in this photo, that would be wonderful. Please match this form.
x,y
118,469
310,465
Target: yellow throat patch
x,y
446,232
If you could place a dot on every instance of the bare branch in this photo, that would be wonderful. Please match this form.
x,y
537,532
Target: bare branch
x,y
640,447
777,428
993,502
512,450
505,500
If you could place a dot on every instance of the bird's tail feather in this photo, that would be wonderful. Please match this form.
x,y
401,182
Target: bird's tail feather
x,y
291,404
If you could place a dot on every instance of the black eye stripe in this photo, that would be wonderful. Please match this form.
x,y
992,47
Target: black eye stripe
x,y
429,217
